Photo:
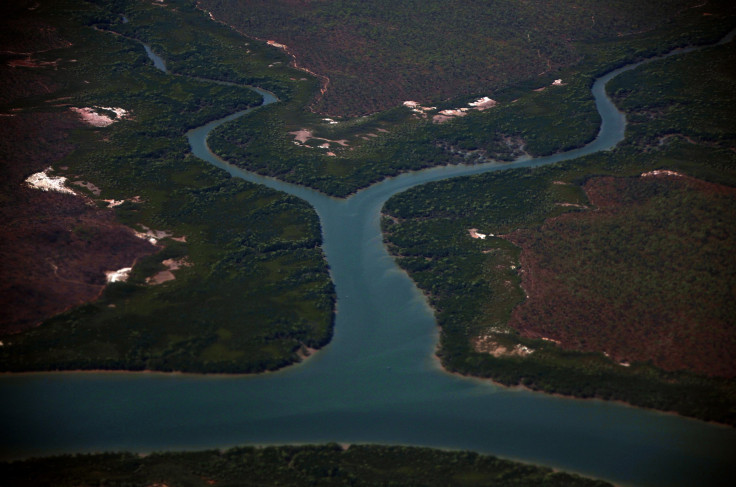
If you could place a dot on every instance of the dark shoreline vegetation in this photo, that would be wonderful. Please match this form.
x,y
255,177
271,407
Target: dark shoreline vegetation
x,y
328,465
254,293
681,119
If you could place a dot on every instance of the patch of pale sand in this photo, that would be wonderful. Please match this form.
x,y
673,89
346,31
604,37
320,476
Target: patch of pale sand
x,y
449,114
44,182
332,154
539,89
474,233
483,103
161,278
563,183
91,187
120,275
454,112
135,199
662,172
382,130
487,344
304,135
572,205
547,339
168,274
113,203
441,118
90,116
153,236
276,44
180,239
158,234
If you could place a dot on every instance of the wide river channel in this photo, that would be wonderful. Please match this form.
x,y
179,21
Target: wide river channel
x,y
376,382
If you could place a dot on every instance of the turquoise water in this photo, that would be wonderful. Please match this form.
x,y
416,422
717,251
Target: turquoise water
x,y
376,382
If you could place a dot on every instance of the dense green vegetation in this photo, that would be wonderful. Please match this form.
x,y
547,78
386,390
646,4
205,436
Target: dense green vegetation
x,y
329,465
255,290
556,119
474,284
378,53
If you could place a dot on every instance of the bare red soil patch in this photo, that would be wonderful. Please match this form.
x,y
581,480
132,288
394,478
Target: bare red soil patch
x,y
649,276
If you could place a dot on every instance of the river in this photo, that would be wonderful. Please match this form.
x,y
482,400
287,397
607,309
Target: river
x,y
376,382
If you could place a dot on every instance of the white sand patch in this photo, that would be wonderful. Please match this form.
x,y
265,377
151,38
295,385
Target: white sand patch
x,y
556,342
417,107
153,236
332,154
474,233
455,112
572,205
488,344
558,82
90,116
276,44
480,104
120,275
302,135
483,103
44,182
662,172
114,203
330,121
